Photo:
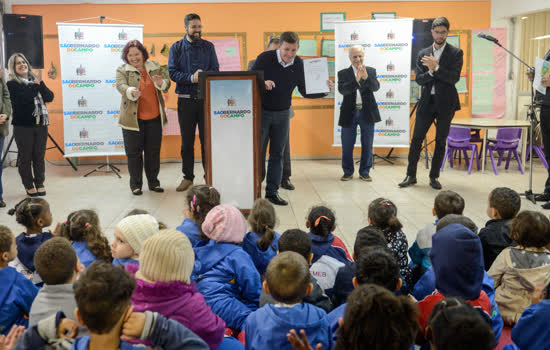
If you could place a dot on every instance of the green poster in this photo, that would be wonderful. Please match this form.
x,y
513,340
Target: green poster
x,y
308,47
327,48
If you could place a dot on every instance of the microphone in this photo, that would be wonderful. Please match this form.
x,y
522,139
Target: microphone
x,y
488,37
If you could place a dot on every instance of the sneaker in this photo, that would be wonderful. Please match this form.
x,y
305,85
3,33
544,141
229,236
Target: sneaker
x,y
346,177
184,185
366,178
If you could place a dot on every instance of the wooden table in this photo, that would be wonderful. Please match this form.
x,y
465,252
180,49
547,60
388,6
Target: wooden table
x,y
486,124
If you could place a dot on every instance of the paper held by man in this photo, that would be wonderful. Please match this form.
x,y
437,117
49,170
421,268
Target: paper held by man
x,y
316,75
542,69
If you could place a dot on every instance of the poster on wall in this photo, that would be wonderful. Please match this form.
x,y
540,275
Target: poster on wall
x,y
89,56
386,44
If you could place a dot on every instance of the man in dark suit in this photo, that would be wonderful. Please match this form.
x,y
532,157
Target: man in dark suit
x,y
357,84
437,71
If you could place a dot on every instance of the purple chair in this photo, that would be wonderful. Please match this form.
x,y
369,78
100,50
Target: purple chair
x,y
540,153
459,140
507,140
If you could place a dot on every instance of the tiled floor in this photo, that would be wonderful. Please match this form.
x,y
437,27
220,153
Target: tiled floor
x,y
316,181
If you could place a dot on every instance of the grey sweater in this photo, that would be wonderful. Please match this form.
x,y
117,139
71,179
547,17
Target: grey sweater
x,y
50,300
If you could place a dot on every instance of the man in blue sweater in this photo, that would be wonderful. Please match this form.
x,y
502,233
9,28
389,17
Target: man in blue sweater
x,y
283,71
188,57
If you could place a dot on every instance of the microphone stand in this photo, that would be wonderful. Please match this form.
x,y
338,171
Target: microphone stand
x,y
533,119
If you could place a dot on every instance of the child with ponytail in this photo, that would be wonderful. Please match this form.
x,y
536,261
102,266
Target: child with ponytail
x,y
83,230
200,199
383,215
35,215
261,243
329,252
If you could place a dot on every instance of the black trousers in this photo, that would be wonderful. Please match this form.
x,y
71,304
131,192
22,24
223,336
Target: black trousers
x,y
545,131
190,113
287,168
421,127
143,148
31,150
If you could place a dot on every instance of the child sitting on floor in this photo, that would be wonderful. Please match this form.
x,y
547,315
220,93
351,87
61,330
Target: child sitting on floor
x,y
503,205
17,292
164,286
130,233
261,243
58,265
287,280
298,241
200,199
383,214
35,215
224,273
83,230
446,202
329,252
518,270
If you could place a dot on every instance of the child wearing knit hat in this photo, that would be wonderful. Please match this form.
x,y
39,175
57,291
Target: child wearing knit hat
x,y
224,273
164,286
130,233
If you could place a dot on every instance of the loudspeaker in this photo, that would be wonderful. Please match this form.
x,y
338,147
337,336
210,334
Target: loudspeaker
x,y
422,37
23,33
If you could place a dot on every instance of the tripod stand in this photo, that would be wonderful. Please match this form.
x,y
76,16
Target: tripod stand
x,y
530,116
54,146
109,168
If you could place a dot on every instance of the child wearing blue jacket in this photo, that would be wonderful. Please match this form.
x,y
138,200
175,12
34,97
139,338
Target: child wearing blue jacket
x,y
224,273
329,252
287,279
83,230
35,215
531,332
200,199
261,243
17,292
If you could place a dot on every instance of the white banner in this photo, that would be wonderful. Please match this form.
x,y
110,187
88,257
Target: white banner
x,y
89,56
387,47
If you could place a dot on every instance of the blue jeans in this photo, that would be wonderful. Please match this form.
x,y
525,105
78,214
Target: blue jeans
x,y
1,155
275,130
348,142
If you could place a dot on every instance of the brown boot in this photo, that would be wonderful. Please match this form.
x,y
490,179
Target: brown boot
x,y
184,185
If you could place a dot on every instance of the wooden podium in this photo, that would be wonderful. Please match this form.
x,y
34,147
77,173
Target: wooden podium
x,y
232,134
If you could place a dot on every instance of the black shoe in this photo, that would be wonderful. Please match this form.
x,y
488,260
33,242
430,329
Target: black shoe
x,y
543,197
434,183
2,204
409,180
287,185
137,192
157,189
275,199
35,194
546,205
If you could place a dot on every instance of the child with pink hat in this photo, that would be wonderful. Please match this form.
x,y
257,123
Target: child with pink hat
x,y
224,273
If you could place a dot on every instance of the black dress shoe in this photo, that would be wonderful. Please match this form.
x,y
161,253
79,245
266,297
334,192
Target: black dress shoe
x,y
546,205
35,194
137,192
434,183
275,199
157,189
2,204
543,197
409,180
287,185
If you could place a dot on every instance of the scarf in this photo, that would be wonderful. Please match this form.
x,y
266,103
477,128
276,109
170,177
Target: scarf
x,y
40,111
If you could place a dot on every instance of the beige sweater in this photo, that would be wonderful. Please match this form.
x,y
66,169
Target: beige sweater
x,y
517,271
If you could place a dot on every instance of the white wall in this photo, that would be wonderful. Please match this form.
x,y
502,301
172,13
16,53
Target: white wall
x,y
509,8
